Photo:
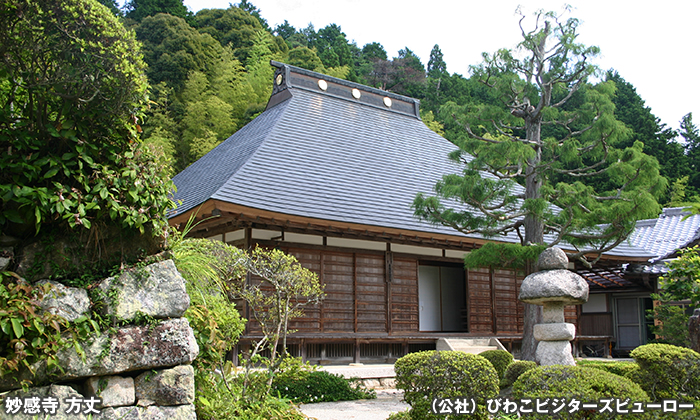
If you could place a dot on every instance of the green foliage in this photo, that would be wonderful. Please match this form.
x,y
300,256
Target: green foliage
x,y
682,281
514,371
492,254
429,120
217,326
673,325
172,49
209,267
540,136
691,136
284,290
320,386
401,415
500,360
139,9
668,371
582,383
71,92
618,368
659,140
214,400
426,375
293,287
27,334
234,27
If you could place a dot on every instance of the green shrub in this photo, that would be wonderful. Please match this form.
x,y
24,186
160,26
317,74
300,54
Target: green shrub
x,y
426,375
673,325
500,359
213,400
401,415
514,371
587,385
667,371
27,333
319,386
618,368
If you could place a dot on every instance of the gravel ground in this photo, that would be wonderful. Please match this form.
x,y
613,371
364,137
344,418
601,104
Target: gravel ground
x,y
388,401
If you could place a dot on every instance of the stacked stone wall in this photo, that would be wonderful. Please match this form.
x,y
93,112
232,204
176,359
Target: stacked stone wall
x,y
138,370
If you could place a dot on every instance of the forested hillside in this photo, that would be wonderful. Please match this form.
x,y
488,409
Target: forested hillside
x,y
210,75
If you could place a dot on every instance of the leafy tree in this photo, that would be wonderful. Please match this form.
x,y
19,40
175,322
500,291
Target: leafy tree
x,y
285,30
112,6
374,51
284,289
305,58
255,12
237,28
437,71
691,135
403,74
173,49
72,90
543,85
682,281
659,140
436,65
139,9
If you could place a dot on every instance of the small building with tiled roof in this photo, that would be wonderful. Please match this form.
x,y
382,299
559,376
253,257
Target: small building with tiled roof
x,y
328,173
620,294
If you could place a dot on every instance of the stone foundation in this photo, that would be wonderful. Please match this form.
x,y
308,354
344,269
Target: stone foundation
x,y
134,372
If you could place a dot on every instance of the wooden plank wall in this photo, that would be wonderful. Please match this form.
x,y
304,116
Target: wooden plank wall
x,y
337,309
506,301
370,293
376,292
480,308
404,294
493,304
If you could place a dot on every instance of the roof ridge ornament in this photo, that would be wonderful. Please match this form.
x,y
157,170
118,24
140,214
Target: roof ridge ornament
x,y
287,76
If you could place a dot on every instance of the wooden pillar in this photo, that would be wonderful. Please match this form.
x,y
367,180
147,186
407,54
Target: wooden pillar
x,y
356,358
354,288
320,309
467,315
389,278
248,241
494,326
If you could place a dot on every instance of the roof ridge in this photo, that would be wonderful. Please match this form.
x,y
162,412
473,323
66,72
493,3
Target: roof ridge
x,y
288,77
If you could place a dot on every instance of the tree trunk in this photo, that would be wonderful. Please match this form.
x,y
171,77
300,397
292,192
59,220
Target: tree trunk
x,y
534,234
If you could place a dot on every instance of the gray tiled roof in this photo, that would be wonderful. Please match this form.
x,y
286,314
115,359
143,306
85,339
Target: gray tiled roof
x,y
666,234
329,156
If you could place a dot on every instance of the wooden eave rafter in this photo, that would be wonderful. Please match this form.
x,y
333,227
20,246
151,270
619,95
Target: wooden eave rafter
x,y
233,216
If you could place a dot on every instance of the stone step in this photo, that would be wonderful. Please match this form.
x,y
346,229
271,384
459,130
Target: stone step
x,y
469,345
474,349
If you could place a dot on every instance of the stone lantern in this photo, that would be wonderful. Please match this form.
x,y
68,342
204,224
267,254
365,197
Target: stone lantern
x,y
553,288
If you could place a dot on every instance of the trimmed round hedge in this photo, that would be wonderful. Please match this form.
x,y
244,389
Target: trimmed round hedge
x,y
667,371
500,359
586,385
618,368
514,371
426,375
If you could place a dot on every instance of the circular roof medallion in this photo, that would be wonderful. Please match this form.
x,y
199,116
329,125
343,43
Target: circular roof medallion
x,y
356,93
278,79
322,84
387,101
